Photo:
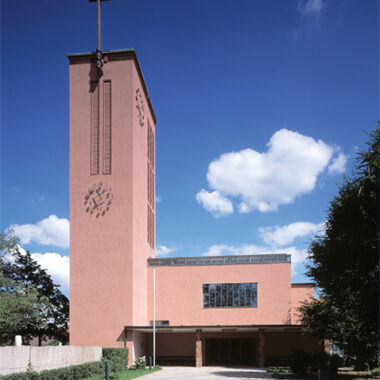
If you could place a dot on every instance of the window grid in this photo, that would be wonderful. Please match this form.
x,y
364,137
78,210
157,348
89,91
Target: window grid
x,y
95,128
232,295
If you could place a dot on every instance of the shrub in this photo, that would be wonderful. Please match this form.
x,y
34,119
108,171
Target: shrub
x,y
335,362
75,372
300,362
320,361
140,362
375,372
117,358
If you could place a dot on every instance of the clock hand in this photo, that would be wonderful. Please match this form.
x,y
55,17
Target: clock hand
x,y
97,205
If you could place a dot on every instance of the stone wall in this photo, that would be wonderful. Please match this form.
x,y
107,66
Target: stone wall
x,y
16,359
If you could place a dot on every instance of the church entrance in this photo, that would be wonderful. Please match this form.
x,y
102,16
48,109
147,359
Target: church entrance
x,y
230,351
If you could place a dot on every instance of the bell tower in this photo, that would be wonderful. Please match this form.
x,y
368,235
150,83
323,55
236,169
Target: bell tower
x,y
112,195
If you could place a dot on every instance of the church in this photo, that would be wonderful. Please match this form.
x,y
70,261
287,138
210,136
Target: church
x,y
221,310
226,310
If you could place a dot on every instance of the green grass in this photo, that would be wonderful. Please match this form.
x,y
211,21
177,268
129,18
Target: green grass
x,y
279,369
126,375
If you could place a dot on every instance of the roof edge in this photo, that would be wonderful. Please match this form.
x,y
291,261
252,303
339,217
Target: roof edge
x,y
290,326
274,258
311,284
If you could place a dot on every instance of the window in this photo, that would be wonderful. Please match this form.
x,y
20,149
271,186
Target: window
x,y
150,227
150,186
230,295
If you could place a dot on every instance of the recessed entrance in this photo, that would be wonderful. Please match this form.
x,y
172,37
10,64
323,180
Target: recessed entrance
x,y
230,351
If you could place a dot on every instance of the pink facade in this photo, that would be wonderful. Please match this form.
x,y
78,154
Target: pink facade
x,y
176,284
108,277
300,293
112,214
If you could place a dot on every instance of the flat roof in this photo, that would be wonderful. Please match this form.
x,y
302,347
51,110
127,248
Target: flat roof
x,y
274,258
218,328
114,55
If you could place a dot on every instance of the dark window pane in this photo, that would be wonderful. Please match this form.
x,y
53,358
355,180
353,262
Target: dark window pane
x,y
223,300
229,295
212,297
206,300
242,295
218,295
236,295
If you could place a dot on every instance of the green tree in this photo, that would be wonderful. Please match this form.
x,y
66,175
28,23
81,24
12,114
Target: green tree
x,y
18,308
344,264
53,306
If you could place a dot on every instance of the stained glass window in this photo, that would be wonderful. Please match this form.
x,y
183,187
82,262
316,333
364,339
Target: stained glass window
x,y
230,295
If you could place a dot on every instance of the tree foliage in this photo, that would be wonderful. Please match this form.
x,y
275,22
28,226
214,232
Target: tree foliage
x,y
18,308
344,264
22,276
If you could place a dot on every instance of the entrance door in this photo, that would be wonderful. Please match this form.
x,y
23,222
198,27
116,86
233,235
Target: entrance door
x,y
230,351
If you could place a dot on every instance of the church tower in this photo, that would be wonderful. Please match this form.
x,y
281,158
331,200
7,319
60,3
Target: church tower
x,y
112,196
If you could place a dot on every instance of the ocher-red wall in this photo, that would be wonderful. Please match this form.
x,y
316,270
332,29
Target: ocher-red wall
x,y
108,254
179,295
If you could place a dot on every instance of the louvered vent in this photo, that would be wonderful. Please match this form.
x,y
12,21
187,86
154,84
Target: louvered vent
x,y
95,128
107,127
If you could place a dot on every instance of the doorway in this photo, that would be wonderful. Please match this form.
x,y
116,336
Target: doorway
x,y
230,351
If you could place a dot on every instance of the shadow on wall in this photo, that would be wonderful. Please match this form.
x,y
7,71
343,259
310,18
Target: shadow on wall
x,y
122,338
93,78
288,319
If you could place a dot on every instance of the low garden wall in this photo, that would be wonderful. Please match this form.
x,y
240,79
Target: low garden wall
x,y
20,358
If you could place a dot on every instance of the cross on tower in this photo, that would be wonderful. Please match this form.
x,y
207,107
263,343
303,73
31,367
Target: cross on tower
x,y
99,57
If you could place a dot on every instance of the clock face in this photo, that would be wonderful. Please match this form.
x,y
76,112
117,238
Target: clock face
x,y
98,199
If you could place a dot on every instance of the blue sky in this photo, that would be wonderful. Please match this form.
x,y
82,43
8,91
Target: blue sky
x,y
261,106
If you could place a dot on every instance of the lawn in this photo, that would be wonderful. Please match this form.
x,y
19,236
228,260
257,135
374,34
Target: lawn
x,y
128,374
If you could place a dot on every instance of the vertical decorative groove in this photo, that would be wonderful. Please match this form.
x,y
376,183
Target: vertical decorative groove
x,y
107,128
150,186
95,128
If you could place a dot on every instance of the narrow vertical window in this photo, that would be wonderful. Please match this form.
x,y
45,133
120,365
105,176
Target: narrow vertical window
x,y
94,128
150,186
107,127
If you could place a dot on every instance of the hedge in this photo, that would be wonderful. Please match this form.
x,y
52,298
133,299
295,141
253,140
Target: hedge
x,y
74,372
117,358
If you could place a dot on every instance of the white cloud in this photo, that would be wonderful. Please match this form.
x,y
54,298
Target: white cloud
x,y
310,7
263,181
57,266
338,164
298,255
215,203
283,235
223,249
158,198
163,250
49,231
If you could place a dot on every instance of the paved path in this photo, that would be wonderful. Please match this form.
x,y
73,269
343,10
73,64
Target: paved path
x,y
192,373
